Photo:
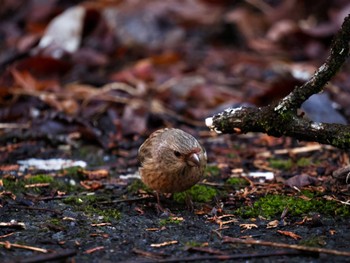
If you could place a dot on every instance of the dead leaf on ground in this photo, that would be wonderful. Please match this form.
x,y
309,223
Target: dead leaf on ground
x,y
301,180
289,234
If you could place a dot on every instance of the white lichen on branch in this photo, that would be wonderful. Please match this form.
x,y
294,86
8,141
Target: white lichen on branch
x,y
210,124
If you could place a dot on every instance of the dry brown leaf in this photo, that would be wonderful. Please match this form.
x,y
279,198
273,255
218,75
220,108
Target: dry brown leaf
x,y
289,234
96,174
301,180
272,224
91,185
248,226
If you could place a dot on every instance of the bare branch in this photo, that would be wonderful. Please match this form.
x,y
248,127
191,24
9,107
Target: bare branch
x,y
281,118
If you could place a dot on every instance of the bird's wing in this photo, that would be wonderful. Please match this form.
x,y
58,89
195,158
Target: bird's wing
x,y
146,149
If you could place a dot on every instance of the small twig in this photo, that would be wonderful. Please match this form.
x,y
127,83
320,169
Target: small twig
x,y
9,245
93,250
7,235
50,257
38,185
223,257
125,200
293,151
14,125
227,239
37,208
216,231
164,244
16,225
208,250
49,198
155,255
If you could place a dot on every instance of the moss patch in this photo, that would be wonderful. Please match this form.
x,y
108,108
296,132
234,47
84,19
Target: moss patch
x,y
314,241
87,204
85,199
273,205
198,193
17,185
302,162
237,182
167,221
106,214
193,244
281,164
40,178
137,185
212,170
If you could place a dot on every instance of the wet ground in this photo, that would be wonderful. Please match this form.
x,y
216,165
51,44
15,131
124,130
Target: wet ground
x,y
119,222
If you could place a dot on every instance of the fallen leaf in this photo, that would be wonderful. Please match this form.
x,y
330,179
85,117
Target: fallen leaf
x,y
248,226
272,224
95,175
64,33
301,180
289,234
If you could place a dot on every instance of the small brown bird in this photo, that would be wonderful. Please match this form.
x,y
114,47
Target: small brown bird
x,y
171,161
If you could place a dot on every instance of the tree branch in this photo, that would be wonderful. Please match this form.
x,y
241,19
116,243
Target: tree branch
x,y
281,118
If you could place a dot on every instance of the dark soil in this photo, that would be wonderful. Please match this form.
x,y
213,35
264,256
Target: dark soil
x,y
129,238
68,225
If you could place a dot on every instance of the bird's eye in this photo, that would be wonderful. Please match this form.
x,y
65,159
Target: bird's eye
x,y
177,154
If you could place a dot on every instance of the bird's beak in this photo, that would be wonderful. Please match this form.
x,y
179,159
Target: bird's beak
x,y
194,160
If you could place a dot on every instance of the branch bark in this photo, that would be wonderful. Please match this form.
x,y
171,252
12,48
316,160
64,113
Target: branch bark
x,y
282,118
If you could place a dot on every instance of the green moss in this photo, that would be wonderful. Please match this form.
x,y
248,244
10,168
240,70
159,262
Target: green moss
x,y
198,193
314,241
237,182
73,200
85,199
87,204
136,185
56,222
193,244
212,170
40,178
273,205
107,214
288,164
17,185
302,162
13,186
281,164
167,221
73,173
231,155
308,193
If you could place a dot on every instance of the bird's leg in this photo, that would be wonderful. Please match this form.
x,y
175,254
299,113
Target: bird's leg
x,y
188,201
163,212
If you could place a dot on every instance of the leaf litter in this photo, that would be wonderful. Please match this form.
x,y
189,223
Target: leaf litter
x,y
93,97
